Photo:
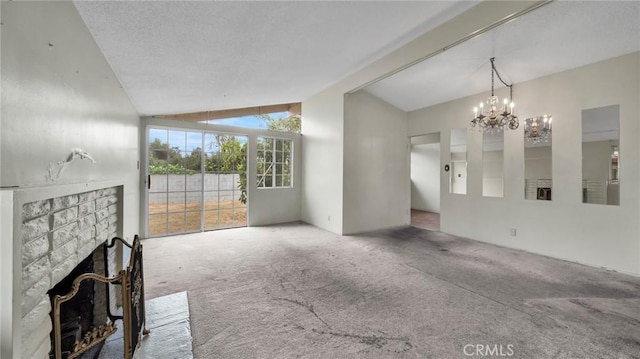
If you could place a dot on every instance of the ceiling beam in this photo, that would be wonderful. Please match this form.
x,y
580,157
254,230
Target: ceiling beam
x,y
292,108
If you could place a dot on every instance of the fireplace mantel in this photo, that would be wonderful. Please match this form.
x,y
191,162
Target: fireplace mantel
x,y
12,201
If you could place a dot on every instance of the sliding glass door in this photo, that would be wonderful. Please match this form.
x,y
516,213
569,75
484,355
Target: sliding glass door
x,y
196,181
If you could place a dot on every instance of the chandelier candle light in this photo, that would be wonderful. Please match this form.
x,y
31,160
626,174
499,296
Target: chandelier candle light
x,y
538,129
493,119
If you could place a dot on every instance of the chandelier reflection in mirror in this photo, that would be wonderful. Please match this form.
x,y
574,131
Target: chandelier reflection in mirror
x,y
493,119
538,129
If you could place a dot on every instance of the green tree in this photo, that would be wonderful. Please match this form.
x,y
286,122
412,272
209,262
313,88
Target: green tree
x,y
290,123
164,159
194,160
231,158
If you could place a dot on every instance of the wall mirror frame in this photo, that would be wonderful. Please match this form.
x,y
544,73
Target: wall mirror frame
x,y
601,155
538,150
458,170
493,164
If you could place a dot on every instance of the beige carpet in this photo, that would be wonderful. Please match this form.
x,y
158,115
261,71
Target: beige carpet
x,y
295,291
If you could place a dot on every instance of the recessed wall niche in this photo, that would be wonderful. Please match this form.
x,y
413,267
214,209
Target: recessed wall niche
x,y
458,172
537,158
601,155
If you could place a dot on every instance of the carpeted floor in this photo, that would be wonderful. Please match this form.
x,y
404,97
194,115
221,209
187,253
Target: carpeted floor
x,y
295,291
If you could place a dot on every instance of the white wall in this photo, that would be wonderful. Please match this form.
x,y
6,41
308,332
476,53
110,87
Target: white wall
x,y
323,114
58,93
598,235
322,159
376,165
425,177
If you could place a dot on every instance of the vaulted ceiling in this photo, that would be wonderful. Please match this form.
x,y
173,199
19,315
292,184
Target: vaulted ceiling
x,y
555,37
190,56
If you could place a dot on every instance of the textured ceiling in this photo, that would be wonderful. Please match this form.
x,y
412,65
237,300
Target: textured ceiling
x,y
556,37
190,56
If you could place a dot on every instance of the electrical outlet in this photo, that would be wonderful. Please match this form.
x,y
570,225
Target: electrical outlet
x,y
513,232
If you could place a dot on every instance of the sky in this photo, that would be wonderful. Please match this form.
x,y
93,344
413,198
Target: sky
x,y
188,141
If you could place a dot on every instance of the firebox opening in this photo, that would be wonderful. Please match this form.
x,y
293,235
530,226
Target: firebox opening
x,y
78,315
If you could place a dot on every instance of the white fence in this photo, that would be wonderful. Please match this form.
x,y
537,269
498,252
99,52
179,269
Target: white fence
x,y
186,188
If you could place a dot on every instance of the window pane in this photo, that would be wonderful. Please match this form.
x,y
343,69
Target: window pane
x,y
225,181
211,143
156,134
192,221
193,161
178,140
226,218
212,162
226,199
194,182
176,222
210,220
158,182
286,146
157,155
157,203
240,217
211,200
194,140
286,181
278,181
194,201
268,182
176,201
157,224
279,145
238,198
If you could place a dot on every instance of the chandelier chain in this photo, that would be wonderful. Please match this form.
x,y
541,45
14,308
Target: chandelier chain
x,y
495,70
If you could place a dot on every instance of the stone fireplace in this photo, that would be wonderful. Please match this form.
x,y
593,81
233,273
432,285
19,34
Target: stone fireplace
x,y
51,231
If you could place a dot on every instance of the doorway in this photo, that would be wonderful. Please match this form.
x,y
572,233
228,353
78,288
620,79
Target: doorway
x,y
425,181
196,181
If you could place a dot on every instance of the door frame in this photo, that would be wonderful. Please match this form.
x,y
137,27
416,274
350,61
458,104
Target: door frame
x,y
144,171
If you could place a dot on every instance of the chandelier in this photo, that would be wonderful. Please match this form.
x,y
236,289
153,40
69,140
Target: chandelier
x,y
538,129
493,119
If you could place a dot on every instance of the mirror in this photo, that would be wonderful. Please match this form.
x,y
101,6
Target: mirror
x,y
492,164
458,170
537,158
601,155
